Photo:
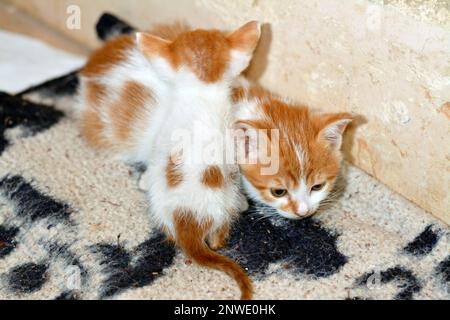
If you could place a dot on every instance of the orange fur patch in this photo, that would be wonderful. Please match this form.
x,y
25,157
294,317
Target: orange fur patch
x,y
212,177
239,93
125,112
95,92
169,31
191,235
91,127
90,122
219,238
112,53
187,225
298,128
206,53
151,46
291,206
174,176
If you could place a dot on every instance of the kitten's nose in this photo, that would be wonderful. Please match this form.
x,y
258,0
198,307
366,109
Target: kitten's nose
x,y
302,209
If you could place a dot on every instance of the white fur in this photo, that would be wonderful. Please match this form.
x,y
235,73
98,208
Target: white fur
x,y
302,198
193,102
238,62
247,110
182,102
250,190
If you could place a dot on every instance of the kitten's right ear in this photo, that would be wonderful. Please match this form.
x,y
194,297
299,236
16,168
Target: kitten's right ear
x,y
333,126
246,37
151,45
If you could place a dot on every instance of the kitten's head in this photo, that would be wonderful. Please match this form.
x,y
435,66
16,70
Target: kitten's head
x,y
207,55
308,160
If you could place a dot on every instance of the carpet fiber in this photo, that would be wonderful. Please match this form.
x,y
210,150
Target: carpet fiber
x,y
74,225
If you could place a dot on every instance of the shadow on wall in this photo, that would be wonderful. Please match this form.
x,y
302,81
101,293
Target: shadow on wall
x,y
349,137
260,57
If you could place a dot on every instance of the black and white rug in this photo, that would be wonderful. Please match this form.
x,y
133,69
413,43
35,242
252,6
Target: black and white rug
x,y
74,225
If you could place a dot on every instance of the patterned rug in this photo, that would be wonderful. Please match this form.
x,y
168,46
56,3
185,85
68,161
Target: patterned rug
x,y
74,225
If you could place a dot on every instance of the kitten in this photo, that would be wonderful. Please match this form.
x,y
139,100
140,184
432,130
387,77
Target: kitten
x,y
308,148
136,94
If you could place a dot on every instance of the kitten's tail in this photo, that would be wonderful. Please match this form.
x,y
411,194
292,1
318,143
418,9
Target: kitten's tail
x,y
191,238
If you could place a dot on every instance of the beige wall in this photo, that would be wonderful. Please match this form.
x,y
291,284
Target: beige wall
x,y
389,63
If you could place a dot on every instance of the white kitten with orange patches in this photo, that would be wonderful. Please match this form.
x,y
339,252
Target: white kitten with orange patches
x,y
137,95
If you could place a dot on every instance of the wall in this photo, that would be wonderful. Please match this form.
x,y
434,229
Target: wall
x,y
388,62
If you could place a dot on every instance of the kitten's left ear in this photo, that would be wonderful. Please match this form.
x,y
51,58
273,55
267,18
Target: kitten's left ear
x,y
242,42
151,45
246,37
332,128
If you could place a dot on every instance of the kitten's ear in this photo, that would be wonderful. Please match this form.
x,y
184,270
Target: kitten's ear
x,y
332,127
243,41
151,45
246,37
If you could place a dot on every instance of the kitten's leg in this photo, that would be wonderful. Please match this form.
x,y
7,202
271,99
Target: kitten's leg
x,y
143,181
169,236
218,239
243,203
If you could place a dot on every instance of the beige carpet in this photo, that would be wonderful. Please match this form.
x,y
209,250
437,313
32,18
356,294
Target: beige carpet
x,y
74,225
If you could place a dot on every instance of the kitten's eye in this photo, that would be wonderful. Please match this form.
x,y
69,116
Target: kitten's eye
x,y
318,187
278,193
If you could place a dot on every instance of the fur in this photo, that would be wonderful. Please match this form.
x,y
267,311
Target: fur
x,y
309,150
136,95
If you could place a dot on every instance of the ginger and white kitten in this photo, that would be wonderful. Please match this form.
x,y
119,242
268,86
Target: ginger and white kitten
x,y
309,155
136,94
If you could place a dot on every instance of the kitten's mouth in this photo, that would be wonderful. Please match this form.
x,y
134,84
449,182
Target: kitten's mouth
x,y
295,216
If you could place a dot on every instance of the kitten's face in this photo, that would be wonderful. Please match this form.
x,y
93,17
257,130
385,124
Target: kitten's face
x,y
308,158
302,182
207,55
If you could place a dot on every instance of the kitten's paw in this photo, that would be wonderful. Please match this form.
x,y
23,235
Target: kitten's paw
x,y
217,244
243,204
218,239
143,182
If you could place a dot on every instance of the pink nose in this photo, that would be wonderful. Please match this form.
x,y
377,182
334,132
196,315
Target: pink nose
x,y
302,209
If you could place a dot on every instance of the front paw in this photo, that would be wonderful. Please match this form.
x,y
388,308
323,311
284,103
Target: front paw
x,y
243,204
218,239
143,182
217,244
